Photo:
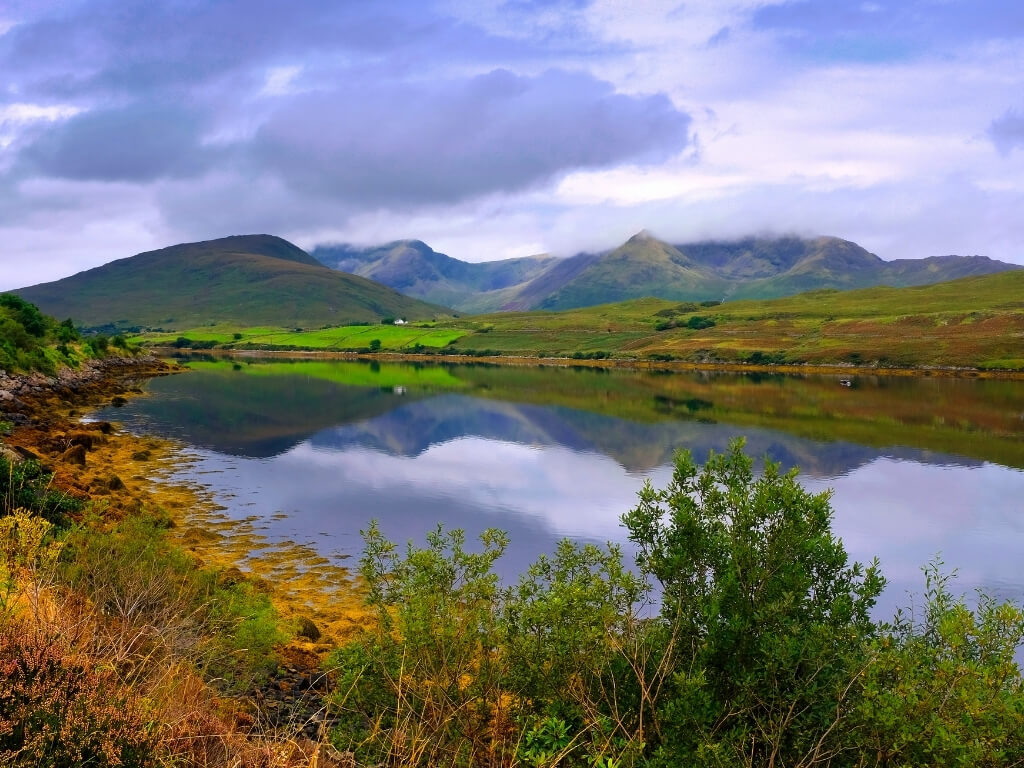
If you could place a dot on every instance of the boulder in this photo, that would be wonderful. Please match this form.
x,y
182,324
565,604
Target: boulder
x,y
27,453
307,629
74,455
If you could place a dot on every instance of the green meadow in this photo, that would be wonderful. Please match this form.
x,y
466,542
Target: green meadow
x,y
974,322
346,337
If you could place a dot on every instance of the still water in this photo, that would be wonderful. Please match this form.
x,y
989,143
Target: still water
x,y
919,468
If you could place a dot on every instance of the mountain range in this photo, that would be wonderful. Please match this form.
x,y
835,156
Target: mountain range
x,y
752,267
263,280
250,280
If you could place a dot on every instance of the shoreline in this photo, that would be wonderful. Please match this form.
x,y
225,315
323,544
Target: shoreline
x,y
133,474
809,369
119,474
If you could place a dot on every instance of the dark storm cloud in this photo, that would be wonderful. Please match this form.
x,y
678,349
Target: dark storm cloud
x,y
1007,132
383,119
136,46
140,142
446,141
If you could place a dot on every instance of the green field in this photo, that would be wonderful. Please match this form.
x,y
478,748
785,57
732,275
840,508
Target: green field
x,y
974,322
971,322
346,337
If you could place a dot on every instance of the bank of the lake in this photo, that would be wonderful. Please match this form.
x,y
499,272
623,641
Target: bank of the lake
x,y
621,363
115,478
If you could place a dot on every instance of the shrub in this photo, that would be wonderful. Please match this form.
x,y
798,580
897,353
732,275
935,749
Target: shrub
x,y
697,323
26,314
763,652
26,485
58,708
946,690
161,605
769,619
423,686
374,345
28,553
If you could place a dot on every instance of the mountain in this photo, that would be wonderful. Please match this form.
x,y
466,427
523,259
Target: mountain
x,y
645,266
416,269
247,279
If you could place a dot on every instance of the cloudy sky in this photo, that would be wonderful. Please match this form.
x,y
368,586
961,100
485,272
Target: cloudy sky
x,y
496,128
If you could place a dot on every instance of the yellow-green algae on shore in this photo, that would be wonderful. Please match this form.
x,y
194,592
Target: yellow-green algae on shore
x,y
124,474
299,581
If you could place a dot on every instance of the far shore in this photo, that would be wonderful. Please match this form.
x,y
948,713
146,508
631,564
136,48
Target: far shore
x,y
815,369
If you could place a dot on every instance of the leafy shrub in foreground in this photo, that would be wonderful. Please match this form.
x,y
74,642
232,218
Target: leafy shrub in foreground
x,y
768,618
763,653
160,605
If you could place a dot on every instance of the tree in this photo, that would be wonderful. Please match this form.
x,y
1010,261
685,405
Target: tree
x,y
374,345
768,618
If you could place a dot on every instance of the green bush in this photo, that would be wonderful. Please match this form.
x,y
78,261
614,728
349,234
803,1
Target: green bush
x,y
697,323
768,618
423,687
946,690
26,485
167,606
763,651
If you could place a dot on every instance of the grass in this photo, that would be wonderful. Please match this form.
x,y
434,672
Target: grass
x,y
391,337
231,280
974,322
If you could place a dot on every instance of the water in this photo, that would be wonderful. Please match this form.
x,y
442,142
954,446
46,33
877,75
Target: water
x,y
919,467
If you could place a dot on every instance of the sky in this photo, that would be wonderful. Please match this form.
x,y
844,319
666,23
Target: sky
x,y
500,128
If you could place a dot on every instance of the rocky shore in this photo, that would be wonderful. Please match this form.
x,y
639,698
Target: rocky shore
x,y
95,461
22,396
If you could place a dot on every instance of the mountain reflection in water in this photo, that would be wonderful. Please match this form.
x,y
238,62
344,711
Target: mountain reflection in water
x,y
918,466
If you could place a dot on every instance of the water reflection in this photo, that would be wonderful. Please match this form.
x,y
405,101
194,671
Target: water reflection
x,y
917,467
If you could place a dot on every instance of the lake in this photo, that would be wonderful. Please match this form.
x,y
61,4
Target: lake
x,y
313,450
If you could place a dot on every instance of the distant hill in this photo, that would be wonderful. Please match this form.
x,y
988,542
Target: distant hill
x,y
416,269
248,279
645,266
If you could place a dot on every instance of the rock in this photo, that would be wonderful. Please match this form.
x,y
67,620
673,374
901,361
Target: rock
x,y
115,483
84,439
141,456
103,426
117,401
5,396
26,453
307,629
74,455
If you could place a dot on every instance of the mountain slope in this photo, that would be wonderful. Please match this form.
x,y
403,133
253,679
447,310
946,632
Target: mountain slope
x,y
250,280
414,268
644,266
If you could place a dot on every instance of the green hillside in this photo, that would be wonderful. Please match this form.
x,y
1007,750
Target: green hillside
x,y
972,322
251,280
645,266
642,266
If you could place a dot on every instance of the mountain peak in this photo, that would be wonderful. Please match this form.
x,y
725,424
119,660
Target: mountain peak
x,y
644,235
